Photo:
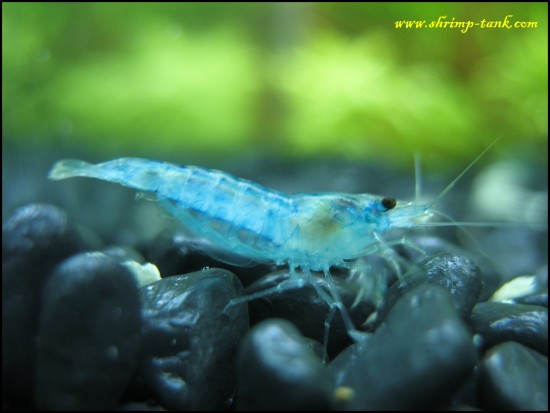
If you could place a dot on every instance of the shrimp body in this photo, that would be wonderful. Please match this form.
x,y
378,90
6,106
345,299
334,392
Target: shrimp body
x,y
312,231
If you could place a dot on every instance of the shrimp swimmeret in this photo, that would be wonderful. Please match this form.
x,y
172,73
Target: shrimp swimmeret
x,y
310,231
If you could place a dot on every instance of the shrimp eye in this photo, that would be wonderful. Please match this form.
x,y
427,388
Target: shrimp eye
x,y
389,203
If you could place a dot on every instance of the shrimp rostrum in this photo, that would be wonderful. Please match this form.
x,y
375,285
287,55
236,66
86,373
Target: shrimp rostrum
x,y
306,231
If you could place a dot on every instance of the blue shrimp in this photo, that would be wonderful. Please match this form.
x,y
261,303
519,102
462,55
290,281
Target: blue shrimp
x,y
310,231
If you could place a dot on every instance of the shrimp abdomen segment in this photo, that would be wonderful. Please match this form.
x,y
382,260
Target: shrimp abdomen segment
x,y
135,173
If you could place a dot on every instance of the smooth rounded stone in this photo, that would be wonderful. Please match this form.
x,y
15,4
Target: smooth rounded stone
x,y
278,371
89,334
540,300
498,322
174,252
459,275
430,246
190,338
416,359
513,377
39,233
300,303
35,238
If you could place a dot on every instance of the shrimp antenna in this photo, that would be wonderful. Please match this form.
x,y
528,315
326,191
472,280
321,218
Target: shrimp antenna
x,y
454,181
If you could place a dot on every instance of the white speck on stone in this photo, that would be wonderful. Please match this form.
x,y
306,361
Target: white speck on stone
x,y
518,287
144,274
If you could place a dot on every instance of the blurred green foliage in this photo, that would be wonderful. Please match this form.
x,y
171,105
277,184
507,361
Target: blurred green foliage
x,y
293,79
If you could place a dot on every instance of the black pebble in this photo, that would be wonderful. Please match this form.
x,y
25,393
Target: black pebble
x,y
415,360
302,305
513,377
88,334
459,275
190,338
278,371
34,239
540,299
38,234
431,246
498,322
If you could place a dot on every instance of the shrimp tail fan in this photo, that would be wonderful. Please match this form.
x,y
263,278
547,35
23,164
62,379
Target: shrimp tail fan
x,y
69,168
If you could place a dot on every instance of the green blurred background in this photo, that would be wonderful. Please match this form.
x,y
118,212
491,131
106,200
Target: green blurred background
x,y
295,81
